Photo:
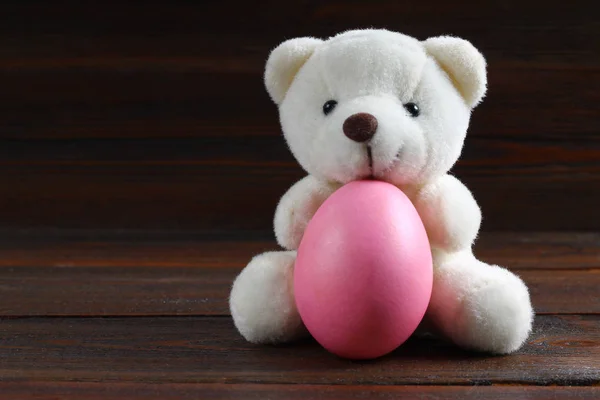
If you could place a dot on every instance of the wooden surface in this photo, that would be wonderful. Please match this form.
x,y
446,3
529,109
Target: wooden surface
x,y
154,116
564,350
145,316
170,275
95,391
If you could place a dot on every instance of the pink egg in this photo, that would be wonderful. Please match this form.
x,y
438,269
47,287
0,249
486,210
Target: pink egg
x,y
363,274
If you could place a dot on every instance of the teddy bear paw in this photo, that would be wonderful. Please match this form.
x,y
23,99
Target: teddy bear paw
x,y
496,316
262,300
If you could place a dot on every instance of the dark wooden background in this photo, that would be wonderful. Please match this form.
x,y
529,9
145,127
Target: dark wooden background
x,y
153,115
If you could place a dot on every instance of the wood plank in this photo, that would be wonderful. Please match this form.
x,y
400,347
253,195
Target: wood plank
x,y
126,291
169,183
540,250
161,274
136,291
563,291
167,103
216,391
110,248
481,157
145,67
233,197
563,350
162,81
536,31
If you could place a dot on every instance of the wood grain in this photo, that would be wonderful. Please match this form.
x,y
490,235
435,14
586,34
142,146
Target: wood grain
x,y
124,291
162,274
142,102
491,156
139,248
556,292
301,18
135,291
216,391
210,350
242,198
156,117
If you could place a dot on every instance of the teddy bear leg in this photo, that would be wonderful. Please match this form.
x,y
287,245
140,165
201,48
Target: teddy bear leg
x,y
262,299
479,306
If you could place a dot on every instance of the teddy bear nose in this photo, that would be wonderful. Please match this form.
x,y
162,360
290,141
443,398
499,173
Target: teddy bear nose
x,y
360,127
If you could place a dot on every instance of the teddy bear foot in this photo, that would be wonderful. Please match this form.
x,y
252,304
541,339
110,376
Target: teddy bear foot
x,y
479,306
262,300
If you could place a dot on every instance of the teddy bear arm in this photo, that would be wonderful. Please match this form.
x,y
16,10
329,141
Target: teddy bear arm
x,y
450,214
297,207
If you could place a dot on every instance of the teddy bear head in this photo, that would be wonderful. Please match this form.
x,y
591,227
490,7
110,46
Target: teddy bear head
x,y
376,104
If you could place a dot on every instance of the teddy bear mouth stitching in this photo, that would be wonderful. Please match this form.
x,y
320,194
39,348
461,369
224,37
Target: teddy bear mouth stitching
x,y
370,157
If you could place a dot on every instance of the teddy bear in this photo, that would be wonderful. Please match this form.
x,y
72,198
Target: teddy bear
x,y
377,104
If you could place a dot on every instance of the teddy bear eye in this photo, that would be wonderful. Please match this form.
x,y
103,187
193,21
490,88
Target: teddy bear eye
x,y
329,106
412,109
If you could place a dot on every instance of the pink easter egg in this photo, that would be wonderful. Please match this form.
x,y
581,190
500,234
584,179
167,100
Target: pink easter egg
x,y
363,274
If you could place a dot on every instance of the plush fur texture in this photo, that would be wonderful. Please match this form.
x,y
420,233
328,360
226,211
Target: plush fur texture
x,y
478,306
262,302
296,208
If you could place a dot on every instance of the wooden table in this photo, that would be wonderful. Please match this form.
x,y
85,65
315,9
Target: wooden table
x,y
146,316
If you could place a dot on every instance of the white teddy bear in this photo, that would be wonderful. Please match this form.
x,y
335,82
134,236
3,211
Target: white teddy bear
x,y
376,104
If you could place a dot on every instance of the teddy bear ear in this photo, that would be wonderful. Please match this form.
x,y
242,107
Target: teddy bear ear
x,y
464,64
284,63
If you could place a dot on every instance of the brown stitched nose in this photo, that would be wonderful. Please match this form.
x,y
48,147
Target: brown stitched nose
x,y
360,127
